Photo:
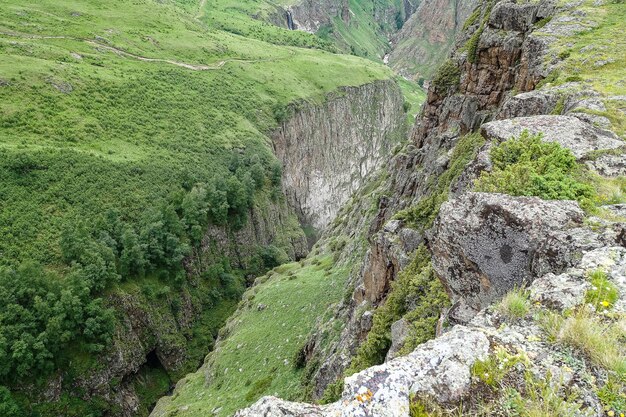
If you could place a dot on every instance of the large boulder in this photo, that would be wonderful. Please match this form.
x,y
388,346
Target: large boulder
x,y
440,369
484,245
569,131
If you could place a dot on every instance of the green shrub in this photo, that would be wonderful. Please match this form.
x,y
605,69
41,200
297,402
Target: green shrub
x,y
332,392
527,166
8,406
448,76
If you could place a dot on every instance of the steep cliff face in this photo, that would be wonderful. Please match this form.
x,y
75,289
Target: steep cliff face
x,y
329,150
428,36
309,15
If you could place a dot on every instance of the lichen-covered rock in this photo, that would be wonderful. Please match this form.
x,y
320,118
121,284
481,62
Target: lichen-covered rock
x,y
484,245
561,291
275,407
439,368
570,132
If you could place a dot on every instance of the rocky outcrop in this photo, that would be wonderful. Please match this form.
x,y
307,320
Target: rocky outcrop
x,y
485,245
329,150
442,371
570,132
439,368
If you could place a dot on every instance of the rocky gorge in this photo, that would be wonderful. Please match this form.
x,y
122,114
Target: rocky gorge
x,y
492,252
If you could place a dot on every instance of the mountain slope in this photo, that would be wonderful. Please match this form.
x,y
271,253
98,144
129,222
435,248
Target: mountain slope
x,y
554,349
139,187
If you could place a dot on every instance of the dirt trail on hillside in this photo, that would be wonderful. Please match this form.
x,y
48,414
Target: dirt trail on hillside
x,y
121,52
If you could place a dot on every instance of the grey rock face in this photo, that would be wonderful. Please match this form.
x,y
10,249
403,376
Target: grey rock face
x,y
399,332
570,132
439,368
484,245
610,164
561,291
328,151
513,16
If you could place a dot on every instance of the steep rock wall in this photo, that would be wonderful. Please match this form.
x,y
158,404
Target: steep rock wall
x,y
479,90
329,150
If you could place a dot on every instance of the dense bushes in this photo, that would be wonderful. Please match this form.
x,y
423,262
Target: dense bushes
x,y
44,311
42,314
527,166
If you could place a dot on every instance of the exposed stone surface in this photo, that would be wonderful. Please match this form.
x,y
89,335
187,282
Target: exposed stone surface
x,y
328,151
609,164
570,132
439,368
484,245
399,332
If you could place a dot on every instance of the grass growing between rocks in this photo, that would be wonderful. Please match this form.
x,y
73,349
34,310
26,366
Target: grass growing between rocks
x,y
416,295
256,357
515,305
595,56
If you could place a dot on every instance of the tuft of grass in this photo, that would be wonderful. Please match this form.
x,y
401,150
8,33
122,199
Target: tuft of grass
x,y
495,367
515,305
601,342
603,293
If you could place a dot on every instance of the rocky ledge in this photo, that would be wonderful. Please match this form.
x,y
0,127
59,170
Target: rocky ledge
x,y
489,247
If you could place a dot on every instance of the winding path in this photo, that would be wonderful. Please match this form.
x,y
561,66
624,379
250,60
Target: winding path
x,y
121,52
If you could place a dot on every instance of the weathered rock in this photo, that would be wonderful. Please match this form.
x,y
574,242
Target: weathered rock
x,y
560,292
439,368
428,36
484,245
570,132
275,407
328,151
609,164
399,332
512,16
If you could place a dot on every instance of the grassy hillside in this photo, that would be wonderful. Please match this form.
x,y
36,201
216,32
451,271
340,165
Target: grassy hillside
x,y
262,341
367,32
126,129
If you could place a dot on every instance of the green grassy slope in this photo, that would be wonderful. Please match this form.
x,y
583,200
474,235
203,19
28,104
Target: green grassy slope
x,y
119,122
259,353
367,32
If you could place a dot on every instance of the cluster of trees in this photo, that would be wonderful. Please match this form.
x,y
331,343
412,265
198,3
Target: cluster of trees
x,y
45,310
